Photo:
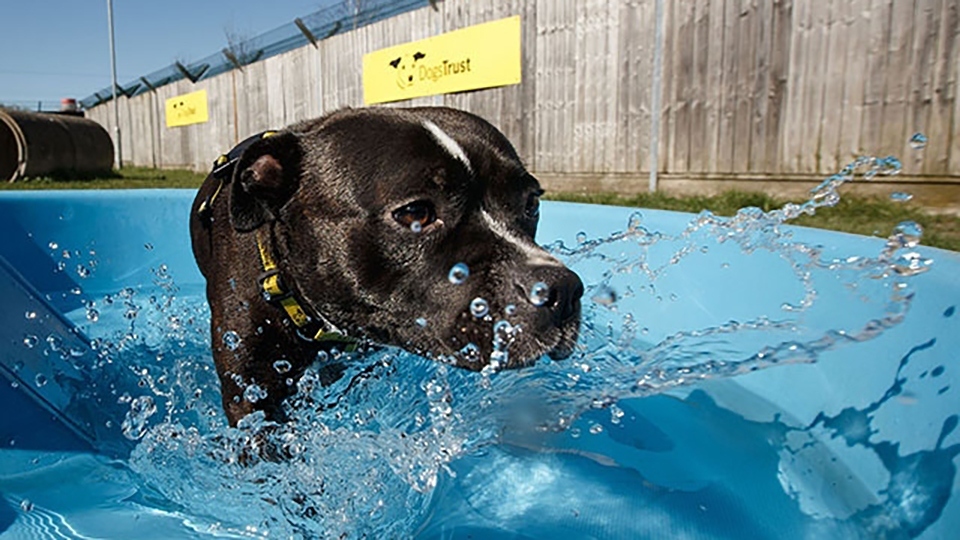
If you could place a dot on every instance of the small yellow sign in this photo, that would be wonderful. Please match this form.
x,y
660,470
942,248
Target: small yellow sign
x,y
187,109
480,56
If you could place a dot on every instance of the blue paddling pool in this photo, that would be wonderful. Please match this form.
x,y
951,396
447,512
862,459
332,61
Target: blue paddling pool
x,y
736,378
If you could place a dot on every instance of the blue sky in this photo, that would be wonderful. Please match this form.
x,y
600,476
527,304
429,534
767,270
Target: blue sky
x,y
50,49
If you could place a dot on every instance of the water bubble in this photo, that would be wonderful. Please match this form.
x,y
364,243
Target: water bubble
x,y
581,237
421,322
254,393
26,505
900,196
93,315
231,340
30,315
470,352
458,273
539,293
479,307
918,141
510,310
40,380
282,366
596,429
14,385
416,226
30,341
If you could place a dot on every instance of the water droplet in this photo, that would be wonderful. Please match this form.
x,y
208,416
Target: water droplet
x,y
93,315
254,393
908,233
231,340
510,310
148,246
890,166
470,352
30,341
900,196
421,322
539,293
416,226
458,273
633,225
282,366
918,141
479,307
596,429
40,380
26,505
135,423
83,271
581,237
30,315
53,245
605,296
14,384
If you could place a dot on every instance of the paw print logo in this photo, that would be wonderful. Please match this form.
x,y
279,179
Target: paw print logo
x,y
406,66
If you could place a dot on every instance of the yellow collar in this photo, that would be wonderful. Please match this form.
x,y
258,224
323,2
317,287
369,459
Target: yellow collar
x,y
311,328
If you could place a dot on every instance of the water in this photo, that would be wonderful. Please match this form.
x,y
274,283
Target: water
x,y
627,438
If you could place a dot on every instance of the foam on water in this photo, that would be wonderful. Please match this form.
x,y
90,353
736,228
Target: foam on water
x,y
368,454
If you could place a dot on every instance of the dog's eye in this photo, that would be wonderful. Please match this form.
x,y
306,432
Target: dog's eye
x,y
533,204
415,215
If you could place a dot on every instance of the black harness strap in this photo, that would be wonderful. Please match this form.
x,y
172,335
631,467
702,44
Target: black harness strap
x,y
310,327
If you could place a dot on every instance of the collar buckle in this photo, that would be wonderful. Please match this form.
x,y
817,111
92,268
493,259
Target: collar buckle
x,y
272,287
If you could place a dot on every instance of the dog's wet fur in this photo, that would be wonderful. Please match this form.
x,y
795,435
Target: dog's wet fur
x,y
365,212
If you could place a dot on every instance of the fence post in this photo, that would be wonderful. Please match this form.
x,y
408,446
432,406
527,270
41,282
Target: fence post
x,y
655,95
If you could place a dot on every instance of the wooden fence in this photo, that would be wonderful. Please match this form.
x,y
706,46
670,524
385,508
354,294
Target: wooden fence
x,y
772,94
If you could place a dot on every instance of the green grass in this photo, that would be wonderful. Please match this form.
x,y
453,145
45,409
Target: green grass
x,y
869,216
126,178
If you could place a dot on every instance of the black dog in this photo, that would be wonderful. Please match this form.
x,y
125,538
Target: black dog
x,y
347,227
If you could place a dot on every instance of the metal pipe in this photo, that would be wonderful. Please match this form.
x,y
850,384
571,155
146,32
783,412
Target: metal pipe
x,y
655,95
113,70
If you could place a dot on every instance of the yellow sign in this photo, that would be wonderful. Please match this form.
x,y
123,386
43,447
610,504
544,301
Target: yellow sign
x,y
187,109
481,56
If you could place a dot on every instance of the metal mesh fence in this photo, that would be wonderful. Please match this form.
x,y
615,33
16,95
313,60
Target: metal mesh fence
x,y
336,17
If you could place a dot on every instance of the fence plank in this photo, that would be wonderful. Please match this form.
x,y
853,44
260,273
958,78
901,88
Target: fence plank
x,y
750,87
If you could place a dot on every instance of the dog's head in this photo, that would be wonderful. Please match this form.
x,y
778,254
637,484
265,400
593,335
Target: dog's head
x,y
414,228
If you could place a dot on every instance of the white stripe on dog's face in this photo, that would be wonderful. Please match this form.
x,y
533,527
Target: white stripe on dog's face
x,y
535,255
448,144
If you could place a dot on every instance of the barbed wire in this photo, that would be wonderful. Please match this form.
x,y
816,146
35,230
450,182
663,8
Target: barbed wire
x,y
336,17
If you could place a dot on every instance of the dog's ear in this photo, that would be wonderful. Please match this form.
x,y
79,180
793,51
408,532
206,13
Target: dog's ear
x,y
418,56
395,63
265,177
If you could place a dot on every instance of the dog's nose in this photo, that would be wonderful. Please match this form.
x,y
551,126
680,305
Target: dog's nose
x,y
563,299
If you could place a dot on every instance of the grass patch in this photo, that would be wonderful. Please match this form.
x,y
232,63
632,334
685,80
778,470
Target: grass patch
x,y
870,216
126,178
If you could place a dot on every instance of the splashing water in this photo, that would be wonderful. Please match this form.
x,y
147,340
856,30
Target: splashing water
x,y
365,454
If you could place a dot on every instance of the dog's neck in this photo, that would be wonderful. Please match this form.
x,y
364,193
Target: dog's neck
x,y
311,324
